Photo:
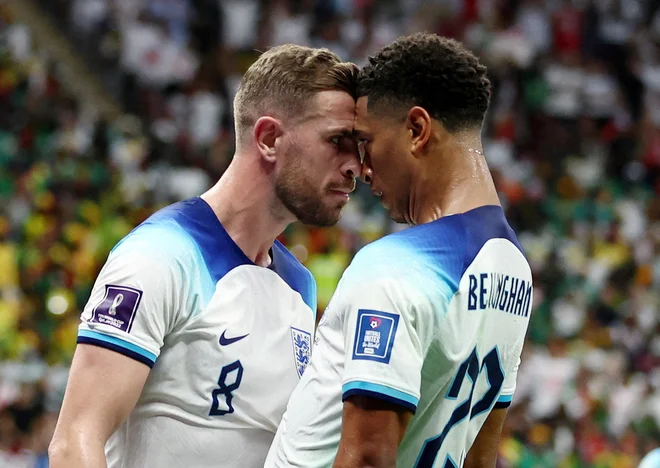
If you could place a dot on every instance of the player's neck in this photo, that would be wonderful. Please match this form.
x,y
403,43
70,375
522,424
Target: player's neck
x,y
460,182
242,201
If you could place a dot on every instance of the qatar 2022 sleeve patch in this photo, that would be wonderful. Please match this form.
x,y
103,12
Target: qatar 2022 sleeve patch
x,y
118,307
374,335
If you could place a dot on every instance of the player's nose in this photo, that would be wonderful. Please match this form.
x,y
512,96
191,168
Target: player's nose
x,y
367,174
352,168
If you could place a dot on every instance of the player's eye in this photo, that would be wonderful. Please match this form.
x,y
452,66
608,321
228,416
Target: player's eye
x,y
336,140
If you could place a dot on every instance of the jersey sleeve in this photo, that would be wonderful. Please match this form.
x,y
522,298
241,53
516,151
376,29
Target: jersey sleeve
x,y
511,366
651,460
508,387
384,350
133,302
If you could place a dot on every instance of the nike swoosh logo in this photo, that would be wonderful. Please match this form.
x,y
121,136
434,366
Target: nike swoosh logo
x,y
224,341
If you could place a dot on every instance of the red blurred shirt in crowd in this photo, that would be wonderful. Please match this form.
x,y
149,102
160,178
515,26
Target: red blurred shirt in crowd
x,y
567,29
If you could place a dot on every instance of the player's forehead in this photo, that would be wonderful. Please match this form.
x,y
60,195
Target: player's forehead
x,y
333,109
363,121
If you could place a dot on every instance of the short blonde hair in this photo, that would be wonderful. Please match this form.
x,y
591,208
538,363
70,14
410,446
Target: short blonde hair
x,y
284,79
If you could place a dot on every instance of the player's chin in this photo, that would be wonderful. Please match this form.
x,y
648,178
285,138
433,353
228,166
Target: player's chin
x,y
330,215
386,206
322,216
398,219
333,216
395,215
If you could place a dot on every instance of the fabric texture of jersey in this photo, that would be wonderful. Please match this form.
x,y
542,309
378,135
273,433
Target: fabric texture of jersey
x,y
432,318
651,460
227,340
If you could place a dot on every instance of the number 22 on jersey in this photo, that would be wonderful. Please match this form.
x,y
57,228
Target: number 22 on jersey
x,y
470,368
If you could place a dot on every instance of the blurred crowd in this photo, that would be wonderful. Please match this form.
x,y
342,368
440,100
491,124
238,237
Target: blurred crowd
x,y
572,138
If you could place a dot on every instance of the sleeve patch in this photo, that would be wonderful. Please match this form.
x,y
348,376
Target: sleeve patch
x,y
118,307
374,335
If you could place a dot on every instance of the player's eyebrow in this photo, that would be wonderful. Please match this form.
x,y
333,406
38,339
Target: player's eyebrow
x,y
343,131
361,135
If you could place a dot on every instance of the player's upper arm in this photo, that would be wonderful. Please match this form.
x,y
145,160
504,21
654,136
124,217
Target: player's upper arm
x,y
386,335
102,389
140,294
651,460
134,304
483,453
372,430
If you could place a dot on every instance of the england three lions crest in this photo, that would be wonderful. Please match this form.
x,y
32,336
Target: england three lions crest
x,y
302,349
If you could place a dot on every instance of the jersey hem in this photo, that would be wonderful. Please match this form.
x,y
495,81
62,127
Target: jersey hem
x,y
504,401
380,392
118,345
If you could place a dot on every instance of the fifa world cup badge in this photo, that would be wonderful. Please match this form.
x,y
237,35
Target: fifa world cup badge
x,y
118,307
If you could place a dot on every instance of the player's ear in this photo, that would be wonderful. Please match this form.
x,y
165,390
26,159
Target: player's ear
x,y
265,132
418,123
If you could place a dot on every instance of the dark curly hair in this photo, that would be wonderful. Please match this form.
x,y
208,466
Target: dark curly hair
x,y
433,72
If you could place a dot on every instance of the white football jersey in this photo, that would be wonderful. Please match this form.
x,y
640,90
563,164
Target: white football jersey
x,y
651,460
432,318
227,340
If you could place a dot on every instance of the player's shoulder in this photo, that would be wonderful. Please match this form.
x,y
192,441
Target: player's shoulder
x,y
159,234
483,225
651,460
162,236
294,273
187,234
440,250
288,264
